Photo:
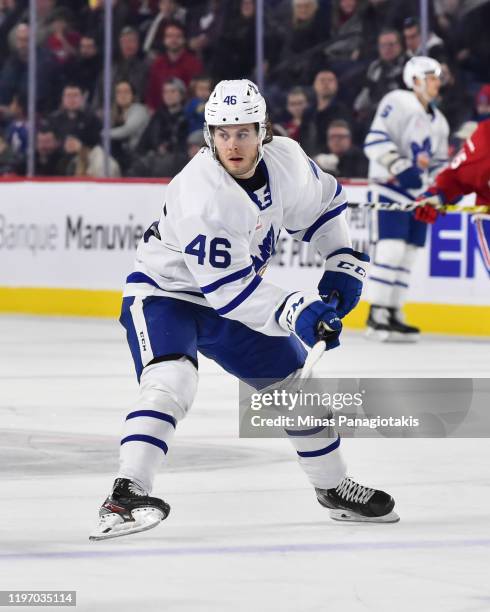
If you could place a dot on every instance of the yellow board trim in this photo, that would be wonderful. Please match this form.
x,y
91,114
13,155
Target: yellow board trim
x,y
457,319
66,302
435,318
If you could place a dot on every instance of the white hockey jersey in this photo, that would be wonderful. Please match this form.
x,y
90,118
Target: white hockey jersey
x,y
402,126
214,239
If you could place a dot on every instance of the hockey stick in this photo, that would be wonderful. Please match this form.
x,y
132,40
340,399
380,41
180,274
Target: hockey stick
x,y
410,206
316,351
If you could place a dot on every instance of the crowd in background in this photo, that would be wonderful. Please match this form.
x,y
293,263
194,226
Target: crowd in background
x,y
328,63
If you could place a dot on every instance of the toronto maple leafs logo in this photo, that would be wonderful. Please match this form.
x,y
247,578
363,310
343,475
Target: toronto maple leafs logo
x,y
267,248
425,147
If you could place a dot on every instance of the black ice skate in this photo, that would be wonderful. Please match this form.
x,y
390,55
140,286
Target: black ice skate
x,y
128,509
379,326
351,501
386,325
405,333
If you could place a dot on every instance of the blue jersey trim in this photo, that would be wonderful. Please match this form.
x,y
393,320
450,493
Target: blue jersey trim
x,y
227,279
375,142
322,220
148,439
394,268
140,277
379,132
392,187
304,432
154,414
338,190
314,168
348,251
381,280
321,451
241,297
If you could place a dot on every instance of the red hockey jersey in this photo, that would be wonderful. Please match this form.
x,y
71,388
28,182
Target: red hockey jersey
x,y
469,171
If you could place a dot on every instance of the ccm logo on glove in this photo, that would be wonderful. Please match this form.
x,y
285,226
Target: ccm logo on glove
x,y
310,319
345,271
348,265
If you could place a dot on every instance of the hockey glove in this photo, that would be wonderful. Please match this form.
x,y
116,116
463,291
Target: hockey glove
x,y
310,319
430,206
345,271
407,175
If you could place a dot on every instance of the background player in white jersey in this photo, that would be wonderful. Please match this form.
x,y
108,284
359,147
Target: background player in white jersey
x,y
198,286
407,145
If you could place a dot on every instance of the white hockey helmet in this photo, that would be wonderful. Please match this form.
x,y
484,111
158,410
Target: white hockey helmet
x,y
420,66
235,102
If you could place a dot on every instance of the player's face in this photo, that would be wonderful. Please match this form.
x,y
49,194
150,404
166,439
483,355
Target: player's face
x,y
237,148
433,84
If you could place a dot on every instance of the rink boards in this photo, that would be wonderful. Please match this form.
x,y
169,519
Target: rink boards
x,y
66,248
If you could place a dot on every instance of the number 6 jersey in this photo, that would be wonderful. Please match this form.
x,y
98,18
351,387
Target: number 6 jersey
x,y
215,237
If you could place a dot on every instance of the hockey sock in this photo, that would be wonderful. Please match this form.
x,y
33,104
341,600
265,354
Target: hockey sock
x,y
402,277
167,390
388,258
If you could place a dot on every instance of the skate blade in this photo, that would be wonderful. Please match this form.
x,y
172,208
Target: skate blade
x,y
114,526
398,337
352,517
376,335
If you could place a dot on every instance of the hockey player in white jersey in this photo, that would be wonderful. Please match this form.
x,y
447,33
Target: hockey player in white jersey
x,y
198,286
407,145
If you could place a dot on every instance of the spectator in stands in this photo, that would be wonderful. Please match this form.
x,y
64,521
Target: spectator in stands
x,y
62,40
169,163
200,90
446,16
129,66
374,18
341,157
413,41
296,105
16,132
13,76
49,155
85,157
345,32
327,107
10,13
44,13
141,13
454,102
482,103
73,118
235,49
91,19
87,67
472,42
306,29
168,11
205,25
383,75
176,62
10,162
167,130
129,120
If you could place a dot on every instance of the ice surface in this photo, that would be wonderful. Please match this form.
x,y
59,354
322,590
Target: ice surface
x,y
245,531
